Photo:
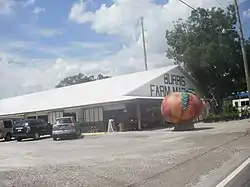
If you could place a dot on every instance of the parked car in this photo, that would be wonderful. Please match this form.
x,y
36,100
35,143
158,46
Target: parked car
x,y
6,129
66,127
31,128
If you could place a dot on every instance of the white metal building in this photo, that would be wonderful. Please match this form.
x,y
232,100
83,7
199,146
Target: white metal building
x,y
89,101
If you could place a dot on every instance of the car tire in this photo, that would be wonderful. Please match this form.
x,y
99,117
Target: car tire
x,y
54,138
78,135
19,139
7,137
36,136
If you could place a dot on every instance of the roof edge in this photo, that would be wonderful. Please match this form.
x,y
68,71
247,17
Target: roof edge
x,y
172,67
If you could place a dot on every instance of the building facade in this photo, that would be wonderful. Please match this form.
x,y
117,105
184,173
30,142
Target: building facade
x,y
135,97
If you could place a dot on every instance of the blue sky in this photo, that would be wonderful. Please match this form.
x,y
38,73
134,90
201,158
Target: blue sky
x,y
24,25
42,41
49,27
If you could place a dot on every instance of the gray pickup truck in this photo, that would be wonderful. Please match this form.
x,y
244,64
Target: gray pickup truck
x,y
66,127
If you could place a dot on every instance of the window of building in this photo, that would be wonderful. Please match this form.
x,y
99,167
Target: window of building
x,y
236,104
247,103
93,115
86,115
96,114
54,117
100,114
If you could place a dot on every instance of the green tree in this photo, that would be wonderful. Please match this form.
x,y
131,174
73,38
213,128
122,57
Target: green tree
x,y
211,56
78,79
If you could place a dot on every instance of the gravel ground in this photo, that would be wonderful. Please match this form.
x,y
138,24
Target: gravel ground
x,y
149,158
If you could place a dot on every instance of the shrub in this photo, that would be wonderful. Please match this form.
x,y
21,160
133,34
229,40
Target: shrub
x,y
222,117
229,108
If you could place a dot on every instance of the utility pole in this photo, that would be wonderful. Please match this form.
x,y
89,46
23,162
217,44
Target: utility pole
x,y
242,43
144,45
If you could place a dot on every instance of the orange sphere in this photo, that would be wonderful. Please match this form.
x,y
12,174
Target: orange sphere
x,y
178,107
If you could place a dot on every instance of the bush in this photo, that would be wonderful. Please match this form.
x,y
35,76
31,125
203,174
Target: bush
x,y
229,113
222,117
229,109
245,113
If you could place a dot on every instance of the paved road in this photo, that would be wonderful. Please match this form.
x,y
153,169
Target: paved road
x,y
149,158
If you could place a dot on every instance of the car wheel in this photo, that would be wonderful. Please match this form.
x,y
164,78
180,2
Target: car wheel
x,y
7,137
36,136
19,139
77,136
54,138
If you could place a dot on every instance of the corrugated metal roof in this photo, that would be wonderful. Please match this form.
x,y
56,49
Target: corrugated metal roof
x,y
101,91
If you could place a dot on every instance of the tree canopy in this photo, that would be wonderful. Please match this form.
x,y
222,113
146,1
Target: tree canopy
x,y
213,57
78,79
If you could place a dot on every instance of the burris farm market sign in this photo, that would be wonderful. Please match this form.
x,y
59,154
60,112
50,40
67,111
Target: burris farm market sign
x,y
172,83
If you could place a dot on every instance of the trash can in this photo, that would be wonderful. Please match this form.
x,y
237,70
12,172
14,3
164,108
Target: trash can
x,y
121,127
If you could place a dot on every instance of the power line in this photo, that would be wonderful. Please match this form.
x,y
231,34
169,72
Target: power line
x,y
220,4
187,5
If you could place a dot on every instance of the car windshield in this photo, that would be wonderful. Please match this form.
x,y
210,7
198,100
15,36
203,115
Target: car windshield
x,y
63,120
19,123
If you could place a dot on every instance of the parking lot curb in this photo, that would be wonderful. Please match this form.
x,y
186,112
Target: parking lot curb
x,y
94,134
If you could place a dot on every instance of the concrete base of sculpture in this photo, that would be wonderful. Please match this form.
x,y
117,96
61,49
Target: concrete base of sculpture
x,y
185,126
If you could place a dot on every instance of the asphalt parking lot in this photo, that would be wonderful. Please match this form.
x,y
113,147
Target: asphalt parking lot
x,y
148,158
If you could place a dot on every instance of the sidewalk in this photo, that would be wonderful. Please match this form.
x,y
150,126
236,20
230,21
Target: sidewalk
x,y
93,134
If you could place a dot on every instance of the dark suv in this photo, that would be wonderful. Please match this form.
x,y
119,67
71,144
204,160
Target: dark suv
x,y
31,128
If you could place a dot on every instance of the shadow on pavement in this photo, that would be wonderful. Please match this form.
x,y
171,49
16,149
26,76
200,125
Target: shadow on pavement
x,y
158,128
70,138
4,141
31,139
195,129
202,128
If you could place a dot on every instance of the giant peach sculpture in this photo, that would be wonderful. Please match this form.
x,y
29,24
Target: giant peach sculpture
x,y
181,108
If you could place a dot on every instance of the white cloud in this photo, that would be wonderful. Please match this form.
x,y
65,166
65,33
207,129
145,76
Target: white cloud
x,y
28,3
242,1
17,79
90,45
33,30
43,74
13,45
246,14
78,13
120,19
48,32
6,7
38,10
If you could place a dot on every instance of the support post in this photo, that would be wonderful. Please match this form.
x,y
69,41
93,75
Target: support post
x,y
138,113
144,45
242,43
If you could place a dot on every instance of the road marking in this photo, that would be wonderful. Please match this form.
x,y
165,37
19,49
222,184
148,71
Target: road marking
x,y
234,174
